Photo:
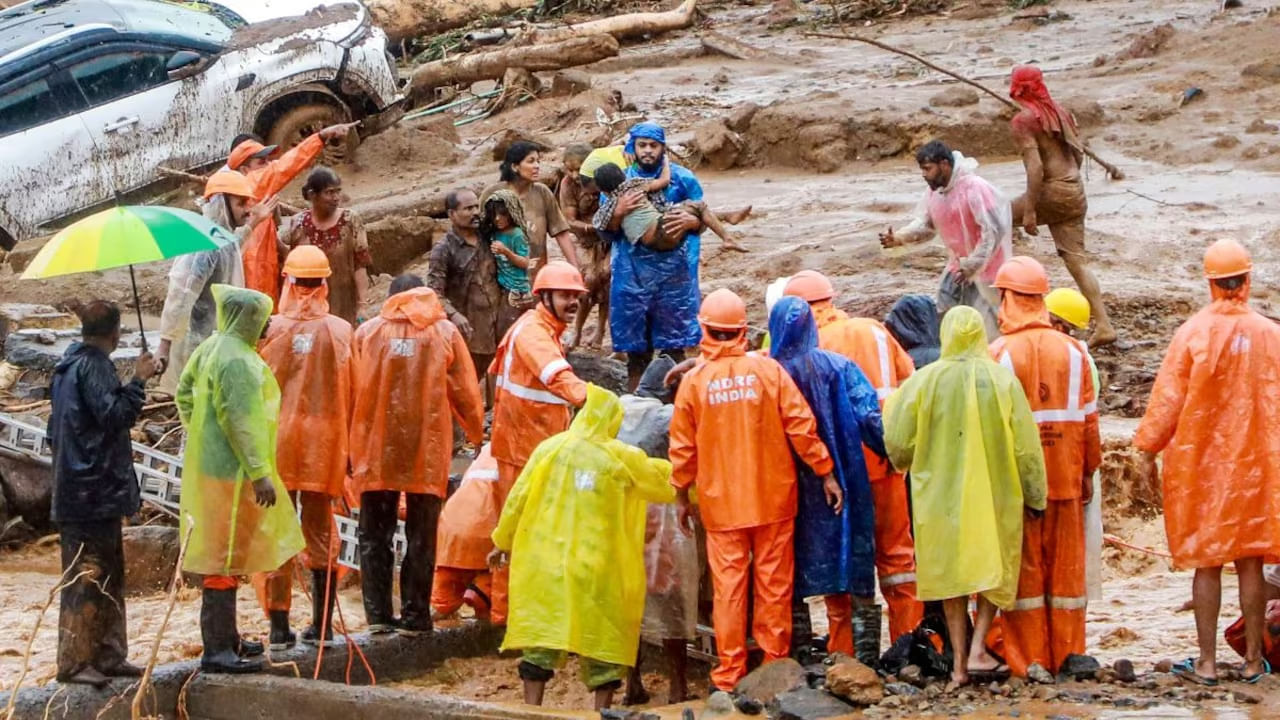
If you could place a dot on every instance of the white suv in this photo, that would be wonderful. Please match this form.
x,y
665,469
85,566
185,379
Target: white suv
x,y
96,95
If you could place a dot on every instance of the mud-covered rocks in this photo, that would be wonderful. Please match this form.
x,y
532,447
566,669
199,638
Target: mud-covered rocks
x,y
855,682
150,555
807,704
955,96
772,679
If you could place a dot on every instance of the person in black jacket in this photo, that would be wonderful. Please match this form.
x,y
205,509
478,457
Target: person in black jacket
x,y
94,486
913,322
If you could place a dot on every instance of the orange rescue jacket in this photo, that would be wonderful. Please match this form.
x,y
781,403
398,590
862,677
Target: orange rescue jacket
x,y
261,254
464,535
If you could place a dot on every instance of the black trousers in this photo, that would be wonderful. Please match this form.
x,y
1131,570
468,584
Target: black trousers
x,y
378,515
91,616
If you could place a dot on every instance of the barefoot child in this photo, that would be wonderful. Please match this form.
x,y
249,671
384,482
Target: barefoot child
x,y
503,228
644,224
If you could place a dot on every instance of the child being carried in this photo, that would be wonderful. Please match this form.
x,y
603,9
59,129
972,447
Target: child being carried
x,y
644,224
502,226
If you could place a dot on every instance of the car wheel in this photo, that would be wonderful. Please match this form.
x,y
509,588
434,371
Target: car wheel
x,y
297,124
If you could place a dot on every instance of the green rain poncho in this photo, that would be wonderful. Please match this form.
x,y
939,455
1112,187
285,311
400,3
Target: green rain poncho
x,y
964,430
230,404
574,524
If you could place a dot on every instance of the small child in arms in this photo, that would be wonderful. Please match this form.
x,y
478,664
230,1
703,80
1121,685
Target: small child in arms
x,y
502,226
644,224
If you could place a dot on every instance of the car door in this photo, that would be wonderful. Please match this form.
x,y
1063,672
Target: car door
x,y
45,152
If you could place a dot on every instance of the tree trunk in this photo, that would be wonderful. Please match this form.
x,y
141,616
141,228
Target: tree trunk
x,y
465,69
403,19
623,26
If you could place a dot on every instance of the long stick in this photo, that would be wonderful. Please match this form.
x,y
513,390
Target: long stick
x,y
1114,172
145,682
11,708
137,305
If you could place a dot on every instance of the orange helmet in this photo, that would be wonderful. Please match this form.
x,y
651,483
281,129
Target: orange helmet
x,y
307,261
228,183
559,275
1024,275
723,310
1226,258
810,286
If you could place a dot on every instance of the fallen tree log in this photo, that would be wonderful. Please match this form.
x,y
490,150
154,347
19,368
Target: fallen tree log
x,y
622,26
404,19
491,65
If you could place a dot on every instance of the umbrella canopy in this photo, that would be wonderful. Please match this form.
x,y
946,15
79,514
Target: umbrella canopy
x,y
126,235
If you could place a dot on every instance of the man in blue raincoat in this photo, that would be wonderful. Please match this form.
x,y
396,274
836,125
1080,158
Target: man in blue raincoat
x,y
835,553
654,295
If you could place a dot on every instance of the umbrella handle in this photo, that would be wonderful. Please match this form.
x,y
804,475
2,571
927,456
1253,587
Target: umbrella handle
x,y
137,305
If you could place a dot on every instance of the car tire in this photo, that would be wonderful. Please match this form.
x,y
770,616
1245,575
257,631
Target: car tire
x,y
297,124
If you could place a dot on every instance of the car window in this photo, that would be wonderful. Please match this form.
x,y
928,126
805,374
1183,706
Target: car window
x,y
27,104
117,74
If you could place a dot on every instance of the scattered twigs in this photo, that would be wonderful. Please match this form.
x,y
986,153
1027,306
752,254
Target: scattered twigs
x,y
145,683
1157,201
63,583
1114,172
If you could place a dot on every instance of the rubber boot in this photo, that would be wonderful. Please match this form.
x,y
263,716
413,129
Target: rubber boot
x,y
249,648
282,638
218,631
801,633
322,583
866,634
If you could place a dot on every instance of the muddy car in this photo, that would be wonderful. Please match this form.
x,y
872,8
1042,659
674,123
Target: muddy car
x,y
97,95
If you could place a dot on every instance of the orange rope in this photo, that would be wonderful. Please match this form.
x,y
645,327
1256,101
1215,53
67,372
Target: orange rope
x,y
353,649
1121,543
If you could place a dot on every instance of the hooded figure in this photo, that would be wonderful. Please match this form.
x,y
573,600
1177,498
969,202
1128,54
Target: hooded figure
x,y
1026,86
963,428
913,321
577,515
835,554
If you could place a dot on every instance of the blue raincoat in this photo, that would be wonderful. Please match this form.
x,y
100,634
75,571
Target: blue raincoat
x,y
834,553
654,295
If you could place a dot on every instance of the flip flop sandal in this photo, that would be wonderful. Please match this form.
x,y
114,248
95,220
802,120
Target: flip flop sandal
x,y
1000,673
1253,679
1187,671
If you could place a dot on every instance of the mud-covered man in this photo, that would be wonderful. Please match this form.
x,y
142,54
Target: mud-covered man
x,y
1052,151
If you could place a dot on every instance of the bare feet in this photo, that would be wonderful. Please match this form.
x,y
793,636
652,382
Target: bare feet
x,y
983,662
734,245
958,680
733,217
1102,336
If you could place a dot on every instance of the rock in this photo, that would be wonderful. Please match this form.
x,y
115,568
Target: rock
x,y
1264,70
22,253
1164,682
1105,675
719,146
1257,126
399,241
1036,673
720,79
893,701
1245,698
720,704
570,82
1046,693
855,682
782,13
150,554
1226,142
600,369
28,316
1079,667
1124,671
912,674
956,96
1087,111
772,679
739,118
1164,666
901,688
806,704
27,487
1016,683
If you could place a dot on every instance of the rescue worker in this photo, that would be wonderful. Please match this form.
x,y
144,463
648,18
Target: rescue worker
x,y
1047,622
1069,313
464,541
963,429
536,388
229,513
975,222
576,516
882,360
1215,415
413,378
263,249
835,554
310,353
189,314
737,419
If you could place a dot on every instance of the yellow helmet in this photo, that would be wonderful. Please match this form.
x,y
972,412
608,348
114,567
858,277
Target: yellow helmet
x,y
1070,305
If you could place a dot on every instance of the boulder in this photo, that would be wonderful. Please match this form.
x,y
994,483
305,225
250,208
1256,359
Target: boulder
x,y
955,96
855,682
1125,671
602,370
807,704
397,242
901,688
42,349
150,554
739,118
719,146
772,679
22,253
570,82
22,316
27,486
1079,667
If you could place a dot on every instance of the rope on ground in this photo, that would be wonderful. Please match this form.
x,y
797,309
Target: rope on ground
x,y
1112,539
1114,172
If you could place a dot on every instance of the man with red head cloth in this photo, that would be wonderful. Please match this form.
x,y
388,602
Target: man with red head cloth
x,y
1052,152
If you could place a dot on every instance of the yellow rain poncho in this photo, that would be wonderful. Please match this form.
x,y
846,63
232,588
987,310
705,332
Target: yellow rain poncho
x,y
229,403
574,524
963,428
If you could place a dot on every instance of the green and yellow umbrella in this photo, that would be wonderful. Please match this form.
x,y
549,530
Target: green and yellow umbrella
x,y
126,235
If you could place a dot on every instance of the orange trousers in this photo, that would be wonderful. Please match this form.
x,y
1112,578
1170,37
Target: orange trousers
x,y
839,623
451,589
507,475
275,589
769,551
1048,621
896,555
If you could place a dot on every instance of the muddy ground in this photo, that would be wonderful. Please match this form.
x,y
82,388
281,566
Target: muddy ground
x,y
825,162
